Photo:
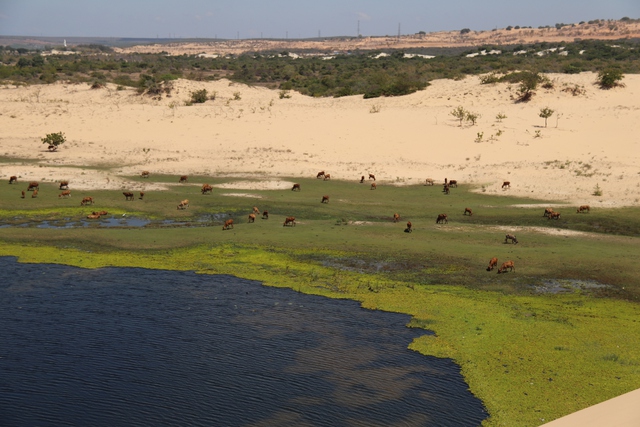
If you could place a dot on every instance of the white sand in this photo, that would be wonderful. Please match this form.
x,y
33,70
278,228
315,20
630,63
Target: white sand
x,y
591,140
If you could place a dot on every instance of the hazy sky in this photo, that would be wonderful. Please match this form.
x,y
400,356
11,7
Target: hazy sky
x,y
295,18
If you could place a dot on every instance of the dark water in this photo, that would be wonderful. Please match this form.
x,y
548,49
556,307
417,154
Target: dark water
x,y
136,347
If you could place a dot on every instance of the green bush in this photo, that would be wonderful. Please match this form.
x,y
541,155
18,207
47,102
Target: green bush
x,y
610,78
199,96
54,140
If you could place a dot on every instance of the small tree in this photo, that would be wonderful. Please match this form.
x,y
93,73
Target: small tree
x,y
528,83
459,113
54,140
545,113
610,78
472,117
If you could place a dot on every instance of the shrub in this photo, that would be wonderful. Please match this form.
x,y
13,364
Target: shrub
x,y
610,78
465,31
54,140
459,113
545,113
199,96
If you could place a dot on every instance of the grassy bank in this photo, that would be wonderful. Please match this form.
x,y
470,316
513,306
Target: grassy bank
x,y
558,334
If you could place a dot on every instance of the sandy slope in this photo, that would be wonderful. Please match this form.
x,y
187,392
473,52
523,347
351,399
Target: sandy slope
x,y
592,139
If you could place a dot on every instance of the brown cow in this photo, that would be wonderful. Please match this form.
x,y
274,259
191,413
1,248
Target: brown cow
x,y
227,224
372,176
265,215
13,179
554,215
468,211
33,186
183,178
409,228
22,194
86,201
252,218
429,181
396,217
325,199
442,218
320,175
505,265
493,263
327,176
290,220
145,174
362,179
183,204
101,213
128,195
256,210
34,194
206,189
445,189
64,185
506,184
511,237
141,195
453,183
66,193
547,212
373,186
93,216
296,187
583,208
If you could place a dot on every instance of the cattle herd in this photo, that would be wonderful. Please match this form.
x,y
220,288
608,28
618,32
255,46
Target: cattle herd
x,y
290,221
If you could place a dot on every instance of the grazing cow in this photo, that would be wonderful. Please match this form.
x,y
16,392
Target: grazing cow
x,y
327,176
362,179
128,195
141,195
445,189
373,186
265,215
453,183
206,189
442,218
583,208
493,263
33,186
320,175
468,211
93,216
101,213
554,215
429,181
64,185
409,228
227,224
86,201
34,194
325,199
290,220
145,174
183,178
396,217
252,218
22,194
372,176
506,184
13,179
506,265
66,193
296,187
256,210
511,237
183,204
547,212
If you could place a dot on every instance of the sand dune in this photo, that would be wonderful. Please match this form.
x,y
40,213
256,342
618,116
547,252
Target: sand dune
x,y
592,139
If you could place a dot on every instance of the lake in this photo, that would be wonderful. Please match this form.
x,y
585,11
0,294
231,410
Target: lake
x,y
140,347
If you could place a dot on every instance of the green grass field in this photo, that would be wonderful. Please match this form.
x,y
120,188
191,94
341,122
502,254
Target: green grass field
x,y
558,334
